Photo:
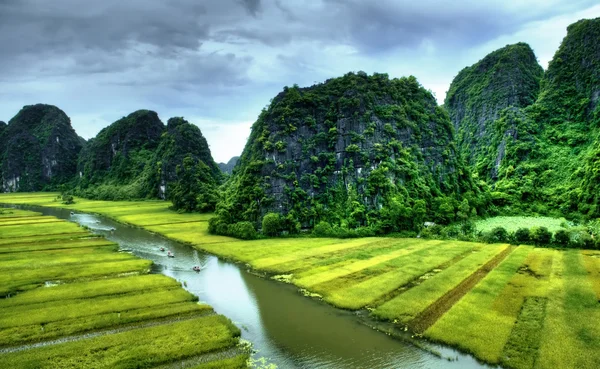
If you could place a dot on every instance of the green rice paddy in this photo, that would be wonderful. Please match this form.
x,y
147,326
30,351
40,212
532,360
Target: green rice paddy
x,y
518,307
511,224
72,300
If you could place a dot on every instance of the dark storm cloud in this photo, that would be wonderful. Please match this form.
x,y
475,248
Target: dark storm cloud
x,y
222,60
253,6
376,26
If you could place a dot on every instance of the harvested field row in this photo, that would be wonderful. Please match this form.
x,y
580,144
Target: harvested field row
x,y
409,304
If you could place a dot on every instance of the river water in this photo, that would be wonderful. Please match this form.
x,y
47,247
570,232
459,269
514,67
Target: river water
x,y
285,328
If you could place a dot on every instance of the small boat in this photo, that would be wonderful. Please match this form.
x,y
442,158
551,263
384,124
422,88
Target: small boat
x,y
196,268
162,249
72,213
170,254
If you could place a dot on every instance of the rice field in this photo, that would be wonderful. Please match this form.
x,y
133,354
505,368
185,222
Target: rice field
x,y
517,307
511,224
70,299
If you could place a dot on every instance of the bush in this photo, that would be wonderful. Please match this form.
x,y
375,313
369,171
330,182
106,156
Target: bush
x,y
521,235
540,236
499,234
562,238
496,235
243,230
582,240
451,231
68,200
323,229
272,224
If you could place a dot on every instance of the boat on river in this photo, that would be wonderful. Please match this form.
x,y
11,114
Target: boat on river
x,y
170,254
196,268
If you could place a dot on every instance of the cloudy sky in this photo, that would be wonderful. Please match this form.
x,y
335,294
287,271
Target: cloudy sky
x,y
219,62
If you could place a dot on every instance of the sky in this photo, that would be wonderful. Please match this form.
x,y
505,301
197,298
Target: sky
x,y
217,63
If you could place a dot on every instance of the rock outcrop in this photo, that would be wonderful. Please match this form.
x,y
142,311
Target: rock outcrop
x,y
355,144
497,86
228,167
38,149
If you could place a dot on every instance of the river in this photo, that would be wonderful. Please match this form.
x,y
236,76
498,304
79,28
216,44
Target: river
x,y
285,328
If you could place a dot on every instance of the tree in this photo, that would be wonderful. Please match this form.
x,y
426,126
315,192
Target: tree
x,y
419,211
446,211
271,224
522,236
561,237
184,193
463,211
541,235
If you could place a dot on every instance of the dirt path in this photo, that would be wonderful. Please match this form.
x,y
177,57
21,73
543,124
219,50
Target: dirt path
x,y
435,311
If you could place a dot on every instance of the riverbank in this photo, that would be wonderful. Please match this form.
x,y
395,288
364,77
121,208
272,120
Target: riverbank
x,y
520,307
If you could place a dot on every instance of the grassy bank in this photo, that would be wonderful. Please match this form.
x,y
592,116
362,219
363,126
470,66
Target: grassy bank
x,y
520,307
93,306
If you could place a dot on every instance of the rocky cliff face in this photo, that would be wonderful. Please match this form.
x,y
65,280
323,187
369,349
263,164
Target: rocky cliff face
x,y
228,167
568,119
38,149
355,144
120,151
508,78
554,168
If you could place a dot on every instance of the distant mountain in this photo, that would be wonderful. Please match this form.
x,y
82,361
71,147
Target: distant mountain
x,y
120,151
38,149
182,139
485,101
228,168
138,156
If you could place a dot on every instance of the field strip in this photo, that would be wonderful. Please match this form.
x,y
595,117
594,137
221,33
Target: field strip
x,y
166,224
410,299
398,264
80,337
324,262
396,273
591,262
55,246
306,253
47,237
92,289
207,359
24,218
30,222
522,348
429,316
359,265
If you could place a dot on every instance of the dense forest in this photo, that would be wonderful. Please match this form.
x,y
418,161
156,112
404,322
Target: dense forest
x,y
355,155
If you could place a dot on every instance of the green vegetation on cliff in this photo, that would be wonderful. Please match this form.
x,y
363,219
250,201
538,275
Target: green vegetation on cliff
x,y
138,157
484,102
355,151
556,170
38,149
538,151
